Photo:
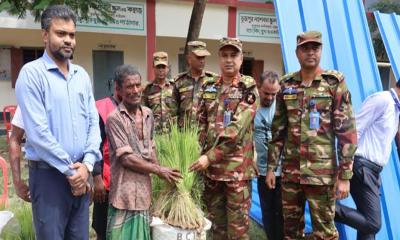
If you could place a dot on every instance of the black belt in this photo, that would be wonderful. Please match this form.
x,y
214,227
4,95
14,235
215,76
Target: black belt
x,y
39,165
369,164
42,164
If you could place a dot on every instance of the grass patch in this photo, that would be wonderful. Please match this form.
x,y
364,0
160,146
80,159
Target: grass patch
x,y
20,227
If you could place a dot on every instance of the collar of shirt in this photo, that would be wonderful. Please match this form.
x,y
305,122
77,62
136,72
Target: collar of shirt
x,y
123,109
395,98
235,81
51,65
189,73
167,83
297,77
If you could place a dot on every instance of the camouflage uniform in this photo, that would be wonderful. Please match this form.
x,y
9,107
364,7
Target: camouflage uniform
x,y
160,98
187,88
161,102
309,170
187,92
230,152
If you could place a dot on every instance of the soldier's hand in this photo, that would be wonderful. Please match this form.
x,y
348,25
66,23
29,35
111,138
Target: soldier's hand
x,y
169,174
342,189
201,164
270,179
100,193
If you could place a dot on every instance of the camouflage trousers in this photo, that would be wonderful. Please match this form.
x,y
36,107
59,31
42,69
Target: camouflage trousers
x,y
321,200
228,205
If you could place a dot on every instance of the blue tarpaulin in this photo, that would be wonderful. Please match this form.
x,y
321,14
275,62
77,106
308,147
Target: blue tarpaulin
x,y
347,47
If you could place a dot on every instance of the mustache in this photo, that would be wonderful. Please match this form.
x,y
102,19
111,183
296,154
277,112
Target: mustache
x,y
67,46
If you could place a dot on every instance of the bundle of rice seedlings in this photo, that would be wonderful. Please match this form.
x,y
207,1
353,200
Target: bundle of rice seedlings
x,y
179,205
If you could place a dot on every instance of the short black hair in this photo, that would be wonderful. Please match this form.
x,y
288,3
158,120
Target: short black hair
x,y
271,76
122,71
56,11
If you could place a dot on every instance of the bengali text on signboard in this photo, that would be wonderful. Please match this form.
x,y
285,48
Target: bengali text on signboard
x,y
128,17
258,27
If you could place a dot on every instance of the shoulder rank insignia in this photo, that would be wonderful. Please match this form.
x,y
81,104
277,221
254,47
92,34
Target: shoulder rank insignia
x,y
250,98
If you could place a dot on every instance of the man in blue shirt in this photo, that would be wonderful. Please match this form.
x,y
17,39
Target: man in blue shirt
x,y
61,125
270,199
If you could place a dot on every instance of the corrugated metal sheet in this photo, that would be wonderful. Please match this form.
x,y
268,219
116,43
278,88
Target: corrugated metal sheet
x,y
347,47
389,26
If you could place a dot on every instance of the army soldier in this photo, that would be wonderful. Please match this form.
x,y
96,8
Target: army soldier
x,y
227,108
188,84
313,109
158,94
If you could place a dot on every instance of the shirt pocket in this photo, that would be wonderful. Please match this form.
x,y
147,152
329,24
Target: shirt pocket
x,y
292,108
324,102
185,93
154,100
324,107
321,160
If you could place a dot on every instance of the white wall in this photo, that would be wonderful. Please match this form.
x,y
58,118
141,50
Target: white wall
x,y
134,48
173,17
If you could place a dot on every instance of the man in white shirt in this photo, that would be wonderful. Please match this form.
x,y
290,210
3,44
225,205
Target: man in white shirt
x,y
17,134
377,125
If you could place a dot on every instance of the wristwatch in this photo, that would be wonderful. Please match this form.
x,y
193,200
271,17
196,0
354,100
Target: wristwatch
x,y
89,167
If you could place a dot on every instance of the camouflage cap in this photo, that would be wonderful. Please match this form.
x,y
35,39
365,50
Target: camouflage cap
x,y
234,42
310,36
198,48
160,58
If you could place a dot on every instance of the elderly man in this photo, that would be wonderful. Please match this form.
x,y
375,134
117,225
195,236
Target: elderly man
x,y
129,130
227,109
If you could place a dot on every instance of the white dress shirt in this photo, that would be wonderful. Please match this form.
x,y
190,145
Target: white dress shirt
x,y
17,119
377,125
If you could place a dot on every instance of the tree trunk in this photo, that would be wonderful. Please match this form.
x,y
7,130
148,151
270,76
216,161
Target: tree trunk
x,y
195,21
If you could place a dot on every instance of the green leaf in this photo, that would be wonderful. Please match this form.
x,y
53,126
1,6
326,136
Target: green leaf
x,y
41,5
5,6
